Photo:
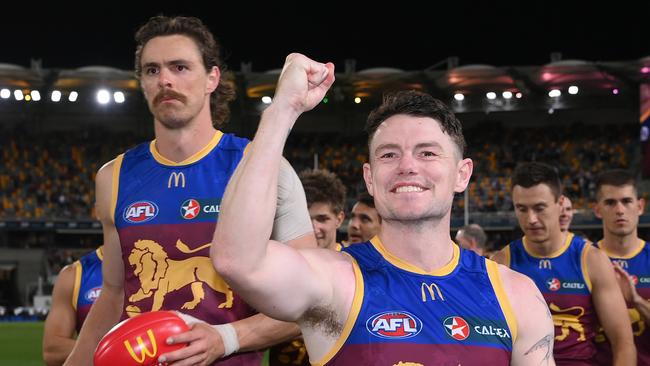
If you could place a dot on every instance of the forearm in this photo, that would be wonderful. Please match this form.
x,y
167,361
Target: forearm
x,y
252,189
104,314
259,332
56,349
624,353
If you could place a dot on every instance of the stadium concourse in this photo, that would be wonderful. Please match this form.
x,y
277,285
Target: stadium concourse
x,y
59,126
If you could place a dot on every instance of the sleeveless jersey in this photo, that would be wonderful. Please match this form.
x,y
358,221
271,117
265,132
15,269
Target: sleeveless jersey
x,y
87,284
401,315
636,264
563,280
166,214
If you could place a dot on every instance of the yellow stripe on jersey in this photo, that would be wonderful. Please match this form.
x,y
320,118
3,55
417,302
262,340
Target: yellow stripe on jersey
x,y
352,315
555,254
100,253
192,159
504,302
77,283
583,265
117,165
629,256
398,262
506,253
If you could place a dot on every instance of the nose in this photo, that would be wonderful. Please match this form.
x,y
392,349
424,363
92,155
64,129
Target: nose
x,y
619,208
532,217
406,164
164,78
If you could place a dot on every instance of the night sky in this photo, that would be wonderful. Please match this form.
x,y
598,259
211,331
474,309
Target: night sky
x,y
404,36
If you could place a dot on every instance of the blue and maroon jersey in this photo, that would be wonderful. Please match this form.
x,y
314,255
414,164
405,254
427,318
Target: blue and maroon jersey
x,y
402,315
166,214
563,280
637,264
87,284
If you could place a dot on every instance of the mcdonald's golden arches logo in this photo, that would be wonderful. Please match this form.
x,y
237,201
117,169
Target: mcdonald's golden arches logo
x,y
142,347
432,289
545,264
176,178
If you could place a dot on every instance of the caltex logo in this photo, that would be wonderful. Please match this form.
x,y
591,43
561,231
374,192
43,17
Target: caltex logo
x,y
190,209
456,327
553,284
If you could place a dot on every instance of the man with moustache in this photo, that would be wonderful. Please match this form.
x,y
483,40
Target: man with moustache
x,y
159,204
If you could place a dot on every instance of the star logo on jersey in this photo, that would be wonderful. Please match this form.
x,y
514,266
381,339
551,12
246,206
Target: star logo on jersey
x,y
635,280
553,284
456,327
190,209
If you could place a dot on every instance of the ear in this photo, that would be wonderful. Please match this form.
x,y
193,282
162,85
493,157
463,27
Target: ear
x,y
213,80
339,219
367,176
465,168
596,209
641,203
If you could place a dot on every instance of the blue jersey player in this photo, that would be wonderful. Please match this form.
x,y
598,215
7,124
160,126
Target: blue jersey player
x,y
410,296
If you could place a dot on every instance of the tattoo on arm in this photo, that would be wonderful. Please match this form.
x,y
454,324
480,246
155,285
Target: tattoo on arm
x,y
543,344
548,312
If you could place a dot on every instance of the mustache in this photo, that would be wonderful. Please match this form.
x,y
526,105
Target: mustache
x,y
167,94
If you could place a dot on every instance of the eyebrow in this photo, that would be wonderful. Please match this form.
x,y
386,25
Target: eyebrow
x,y
420,145
172,63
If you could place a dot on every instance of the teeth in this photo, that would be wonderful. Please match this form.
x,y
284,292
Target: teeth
x,y
405,189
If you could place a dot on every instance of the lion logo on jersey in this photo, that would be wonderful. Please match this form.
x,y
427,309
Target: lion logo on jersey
x,y
568,319
159,275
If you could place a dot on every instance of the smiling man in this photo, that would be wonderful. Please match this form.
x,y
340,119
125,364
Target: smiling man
x,y
577,280
409,296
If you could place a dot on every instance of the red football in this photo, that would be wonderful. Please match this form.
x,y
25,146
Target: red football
x,y
140,340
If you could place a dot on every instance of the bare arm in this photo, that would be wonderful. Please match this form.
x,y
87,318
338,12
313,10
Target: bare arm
x,y
632,297
272,277
106,311
502,256
535,332
59,333
608,301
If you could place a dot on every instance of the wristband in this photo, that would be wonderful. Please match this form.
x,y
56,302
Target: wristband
x,y
229,338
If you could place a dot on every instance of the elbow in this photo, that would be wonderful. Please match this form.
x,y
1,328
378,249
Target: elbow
x,y
221,261
50,359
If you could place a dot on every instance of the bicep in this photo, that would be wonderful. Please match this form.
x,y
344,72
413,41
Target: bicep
x,y
61,320
535,332
606,295
289,282
112,268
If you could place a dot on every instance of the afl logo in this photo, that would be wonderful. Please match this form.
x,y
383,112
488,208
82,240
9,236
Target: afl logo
x,y
553,284
92,294
141,211
190,209
456,327
394,325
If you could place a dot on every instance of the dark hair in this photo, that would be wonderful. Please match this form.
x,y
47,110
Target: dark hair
x,y
531,174
366,199
418,104
616,178
475,232
323,186
210,52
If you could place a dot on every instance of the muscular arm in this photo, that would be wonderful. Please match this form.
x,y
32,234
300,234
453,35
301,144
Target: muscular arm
x,y
270,276
534,343
608,301
58,336
106,311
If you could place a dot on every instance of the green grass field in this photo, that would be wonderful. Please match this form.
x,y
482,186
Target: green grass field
x,y
20,344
